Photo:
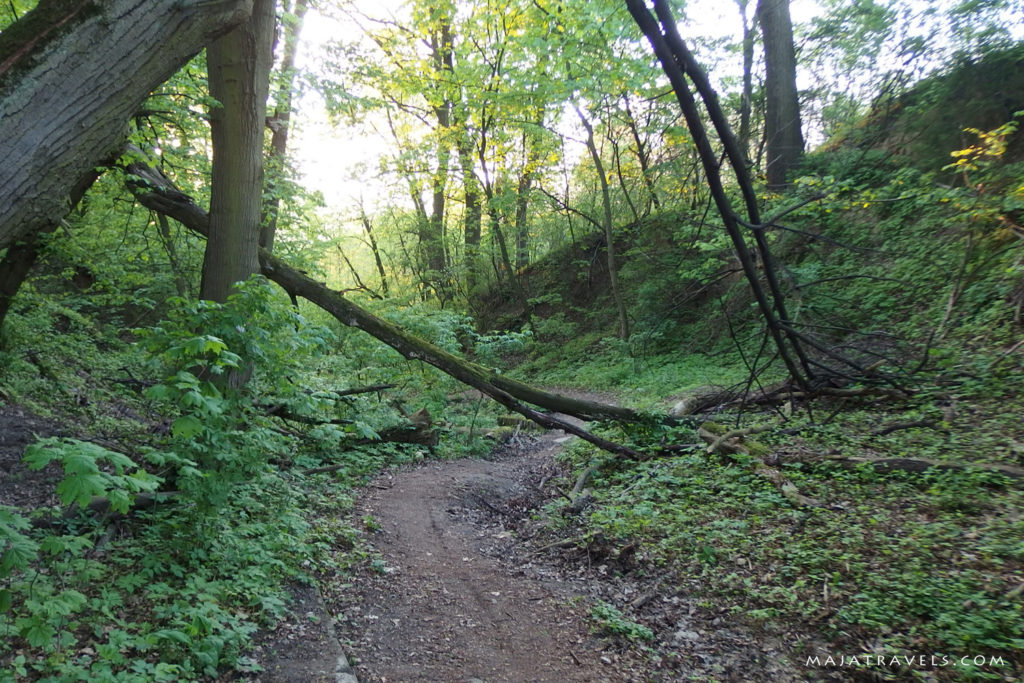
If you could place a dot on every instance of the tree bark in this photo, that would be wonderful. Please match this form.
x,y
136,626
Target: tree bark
x,y
746,96
368,227
71,75
642,156
677,63
782,104
239,73
473,216
22,256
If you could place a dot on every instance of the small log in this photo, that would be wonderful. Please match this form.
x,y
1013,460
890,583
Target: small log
x,y
897,426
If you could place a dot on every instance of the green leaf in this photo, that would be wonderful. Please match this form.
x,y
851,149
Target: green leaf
x,y
172,634
80,488
186,426
36,632
40,454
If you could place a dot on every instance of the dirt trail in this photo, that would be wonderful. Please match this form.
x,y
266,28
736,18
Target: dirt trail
x,y
444,607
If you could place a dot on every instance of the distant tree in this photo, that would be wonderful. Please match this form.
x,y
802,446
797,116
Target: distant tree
x,y
280,122
785,141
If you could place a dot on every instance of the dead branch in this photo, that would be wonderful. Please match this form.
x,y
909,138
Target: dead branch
x,y
896,426
733,433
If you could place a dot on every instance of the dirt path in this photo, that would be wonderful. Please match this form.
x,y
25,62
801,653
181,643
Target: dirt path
x,y
444,607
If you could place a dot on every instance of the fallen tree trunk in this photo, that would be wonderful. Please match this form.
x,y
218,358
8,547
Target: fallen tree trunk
x,y
155,191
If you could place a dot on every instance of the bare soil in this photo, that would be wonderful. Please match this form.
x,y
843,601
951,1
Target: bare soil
x,y
441,607
19,486
468,588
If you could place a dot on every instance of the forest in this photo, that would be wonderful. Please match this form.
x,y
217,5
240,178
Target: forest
x,y
511,340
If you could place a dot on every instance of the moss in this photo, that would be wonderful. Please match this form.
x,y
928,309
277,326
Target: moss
x,y
34,32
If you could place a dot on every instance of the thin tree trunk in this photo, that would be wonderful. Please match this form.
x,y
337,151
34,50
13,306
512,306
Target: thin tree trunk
x,y
617,158
686,61
280,122
368,227
674,66
746,96
606,202
239,73
642,156
167,240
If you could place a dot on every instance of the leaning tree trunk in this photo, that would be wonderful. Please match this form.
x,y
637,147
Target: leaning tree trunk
x,y
71,75
21,256
677,63
155,191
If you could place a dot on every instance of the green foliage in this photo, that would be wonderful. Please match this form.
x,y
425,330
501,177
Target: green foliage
x,y
204,352
610,620
83,478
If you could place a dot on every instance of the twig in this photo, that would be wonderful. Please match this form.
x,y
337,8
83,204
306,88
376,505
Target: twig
x,y
896,426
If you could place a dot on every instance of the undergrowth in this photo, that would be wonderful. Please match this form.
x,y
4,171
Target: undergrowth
x,y
890,564
208,515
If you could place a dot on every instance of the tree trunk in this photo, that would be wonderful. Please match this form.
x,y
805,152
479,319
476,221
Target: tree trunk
x,y
280,122
239,73
606,222
782,114
71,75
14,269
746,96
368,227
473,217
432,231
642,156
677,62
